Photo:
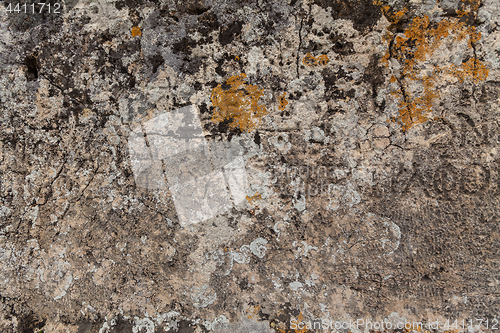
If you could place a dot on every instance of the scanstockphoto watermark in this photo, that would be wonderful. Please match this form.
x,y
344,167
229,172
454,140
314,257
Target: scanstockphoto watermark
x,y
170,151
309,171
333,326
312,181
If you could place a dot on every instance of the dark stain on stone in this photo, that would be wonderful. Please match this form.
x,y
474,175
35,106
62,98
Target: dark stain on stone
x,y
115,58
191,65
295,95
426,278
195,7
312,47
243,283
207,23
221,131
203,108
156,61
29,323
179,104
273,20
122,326
225,86
285,113
223,127
56,69
332,91
220,63
134,7
186,326
86,327
227,35
340,45
331,77
184,46
256,138
363,13
164,12
373,75
212,84
32,65
120,5
262,315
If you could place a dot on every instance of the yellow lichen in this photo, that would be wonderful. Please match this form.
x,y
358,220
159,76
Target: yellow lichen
x,y
311,61
473,69
254,198
469,7
417,45
322,59
252,312
239,103
300,319
393,17
136,31
283,102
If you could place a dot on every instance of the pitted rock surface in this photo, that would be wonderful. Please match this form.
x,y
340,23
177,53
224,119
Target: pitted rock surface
x,y
370,136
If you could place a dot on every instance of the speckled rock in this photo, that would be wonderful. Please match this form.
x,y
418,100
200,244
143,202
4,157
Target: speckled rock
x,y
349,150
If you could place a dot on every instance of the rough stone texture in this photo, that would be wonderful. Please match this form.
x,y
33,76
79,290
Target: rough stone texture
x,y
370,133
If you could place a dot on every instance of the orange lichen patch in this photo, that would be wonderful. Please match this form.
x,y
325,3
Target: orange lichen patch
x,y
393,17
417,45
399,14
322,59
428,39
279,327
251,200
311,61
136,31
473,69
300,319
239,103
236,58
254,198
252,312
468,7
283,102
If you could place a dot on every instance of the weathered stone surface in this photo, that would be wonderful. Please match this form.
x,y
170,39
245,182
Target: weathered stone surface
x,y
368,135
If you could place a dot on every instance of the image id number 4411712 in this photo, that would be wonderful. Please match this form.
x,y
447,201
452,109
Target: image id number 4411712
x,y
38,8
